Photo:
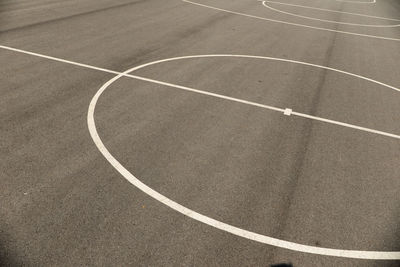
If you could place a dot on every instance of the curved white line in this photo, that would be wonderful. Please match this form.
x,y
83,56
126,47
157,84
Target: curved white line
x,y
290,23
325,20
333,11
376,255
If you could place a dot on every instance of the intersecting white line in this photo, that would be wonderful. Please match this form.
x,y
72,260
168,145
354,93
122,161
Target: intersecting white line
x,y
324,20
330,10
268,240
377,255
202,218
291,23
185,88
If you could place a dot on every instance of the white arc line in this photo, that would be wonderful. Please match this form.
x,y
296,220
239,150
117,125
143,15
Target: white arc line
x,y
333,11
202,92
264,3
126,74
290,23
185,88
375,255
359,254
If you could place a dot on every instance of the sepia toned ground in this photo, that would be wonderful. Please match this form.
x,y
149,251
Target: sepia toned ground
x,y
277,119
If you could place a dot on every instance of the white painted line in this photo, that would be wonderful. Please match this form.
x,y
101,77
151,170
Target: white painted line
x,y
290,23
57,59
185,88
264,3
288,112
375,255
346,125
333,11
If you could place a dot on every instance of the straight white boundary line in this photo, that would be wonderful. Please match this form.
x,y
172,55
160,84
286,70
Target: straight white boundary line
x,y
375,255
348,125
264,3
333,11
185,88
290,23
57,59
228,97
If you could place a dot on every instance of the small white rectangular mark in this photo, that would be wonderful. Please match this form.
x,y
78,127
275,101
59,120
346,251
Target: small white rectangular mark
x,y
287,112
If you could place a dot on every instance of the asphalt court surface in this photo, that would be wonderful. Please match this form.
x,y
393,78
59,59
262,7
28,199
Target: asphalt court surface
x,y
291,178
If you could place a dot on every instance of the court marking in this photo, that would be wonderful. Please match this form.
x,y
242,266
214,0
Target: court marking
x,y
333,11
348,125
291,23
264,3
377,255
